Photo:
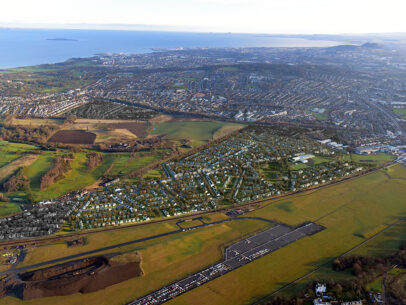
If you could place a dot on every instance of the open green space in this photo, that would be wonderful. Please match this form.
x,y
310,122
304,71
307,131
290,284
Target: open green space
x,y
193,130
298,166
8,208
378,158
35,164
35,171
383,245
124,163
401,112
321,116
11,151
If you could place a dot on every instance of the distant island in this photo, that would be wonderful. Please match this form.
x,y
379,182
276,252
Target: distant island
x,y
61,39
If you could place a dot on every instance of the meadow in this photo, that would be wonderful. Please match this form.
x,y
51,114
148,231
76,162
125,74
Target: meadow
x,y
378,158
8,208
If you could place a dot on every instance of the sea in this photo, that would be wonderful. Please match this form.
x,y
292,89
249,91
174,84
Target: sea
x,y
27,47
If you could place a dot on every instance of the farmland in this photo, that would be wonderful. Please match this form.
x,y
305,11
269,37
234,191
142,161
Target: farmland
x,y
73,137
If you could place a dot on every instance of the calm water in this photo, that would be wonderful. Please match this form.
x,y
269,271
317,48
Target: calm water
x,y
24,47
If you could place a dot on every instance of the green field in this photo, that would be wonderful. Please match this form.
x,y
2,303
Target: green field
x,y
12,151
35,171
8,208
124,163
383,245
351,211
378,158
401,112
321,116
193,130
78,177
298,166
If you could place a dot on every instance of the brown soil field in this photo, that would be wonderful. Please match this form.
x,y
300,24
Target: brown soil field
x,y
73,137
82,276
139,129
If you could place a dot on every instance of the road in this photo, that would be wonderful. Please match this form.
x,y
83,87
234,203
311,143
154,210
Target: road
x,y
91,252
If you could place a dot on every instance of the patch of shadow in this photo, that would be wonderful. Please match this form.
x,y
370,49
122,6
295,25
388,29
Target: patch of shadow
x,y
286,206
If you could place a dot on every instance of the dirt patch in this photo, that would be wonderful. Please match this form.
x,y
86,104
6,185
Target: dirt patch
x,y
73,137
82,276
139,129
161,118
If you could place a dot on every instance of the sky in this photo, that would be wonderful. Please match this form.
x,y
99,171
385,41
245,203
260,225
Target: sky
x,y
243,16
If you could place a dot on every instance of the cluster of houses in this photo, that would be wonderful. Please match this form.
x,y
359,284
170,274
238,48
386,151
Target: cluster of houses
x,y
42,220
226,172
43,105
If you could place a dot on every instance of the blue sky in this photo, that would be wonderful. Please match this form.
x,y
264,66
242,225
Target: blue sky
x,y
254,16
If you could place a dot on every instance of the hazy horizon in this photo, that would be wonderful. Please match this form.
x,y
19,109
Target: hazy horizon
x,y
291,17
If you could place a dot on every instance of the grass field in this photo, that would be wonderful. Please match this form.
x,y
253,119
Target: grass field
x,y
383,245
36,170
298,166
79,176
321,116
379,158
401,112
351,211
15,156
12,151
124,163
8,170
193,130
8,208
